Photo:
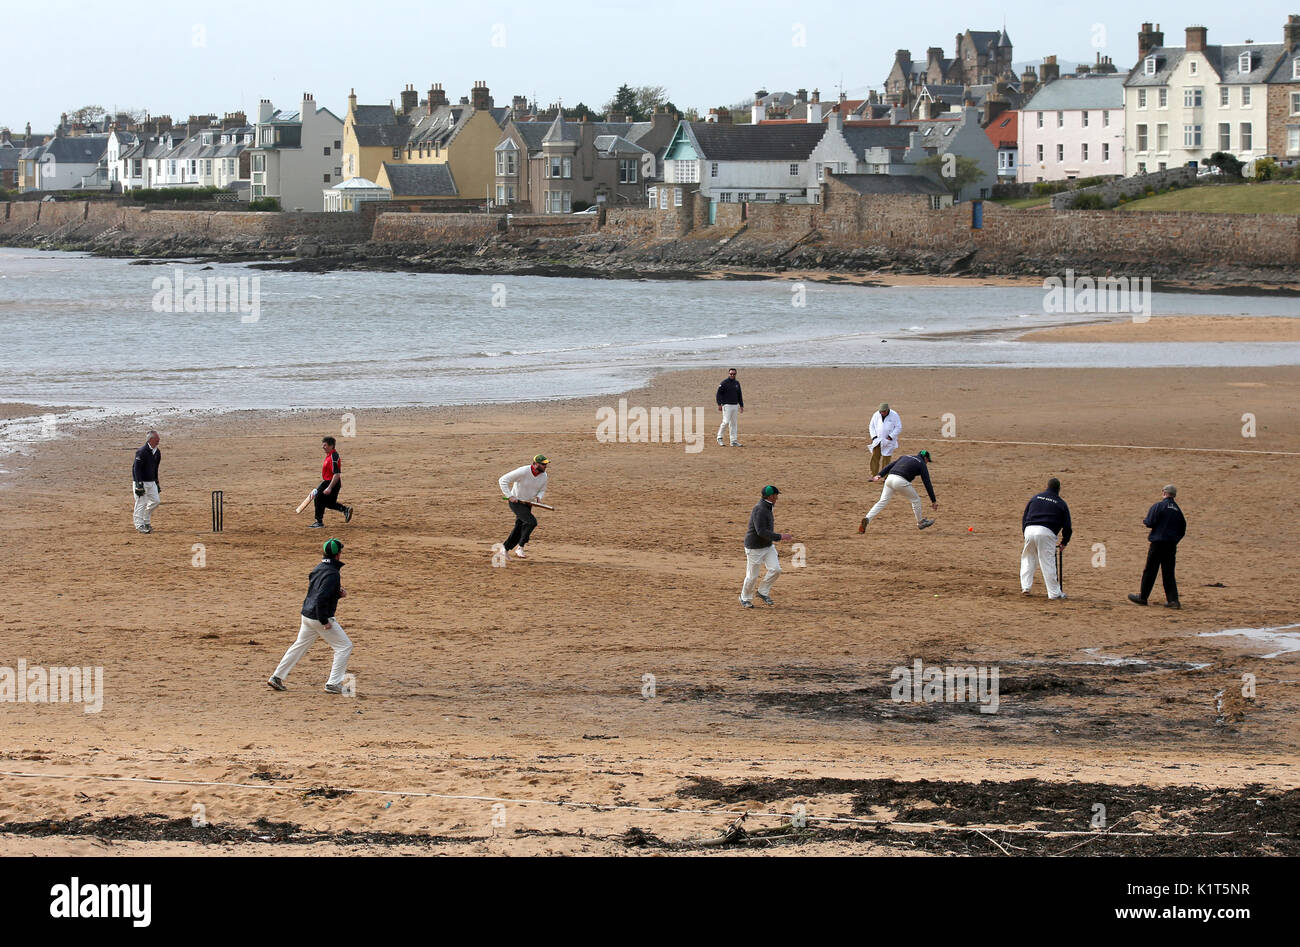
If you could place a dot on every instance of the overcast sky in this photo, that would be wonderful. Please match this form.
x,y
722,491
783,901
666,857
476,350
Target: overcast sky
x,y
180,57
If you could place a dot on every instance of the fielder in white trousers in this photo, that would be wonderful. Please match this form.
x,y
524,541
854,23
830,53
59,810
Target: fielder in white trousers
x,y
145,505
1039,553
896,484
310,630
755,560
730,419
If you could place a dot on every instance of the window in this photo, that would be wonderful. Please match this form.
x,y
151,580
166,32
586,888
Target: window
x,y
338,146
1192,98
726,197
1162,98
653,195
936,202
1105,119
1085,118
1105,151
1142,101
1223,95
1245,96
207,167
327,151
1142,167
794,170
1040,153
1225,136
501,193
1295,102
338,172
713,170
743,196
1060,152
397,154
1040,119
1243,63
760,196
627,168
325,179
1141,138
506,163
1163,166
1192,67
558,202
1149,67
1191,136
1162,138
1083,151
1247,138
1060,119
677,197
1293,140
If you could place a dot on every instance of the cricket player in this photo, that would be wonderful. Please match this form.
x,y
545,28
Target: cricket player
x,y
1045,516
331,482
898,477
520,488
885,427
324,589
144,481
760,549
732,405
1168,526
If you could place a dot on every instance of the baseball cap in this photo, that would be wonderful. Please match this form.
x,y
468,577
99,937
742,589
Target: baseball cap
x,y
884,406
926,456
540,459
770,491
332,547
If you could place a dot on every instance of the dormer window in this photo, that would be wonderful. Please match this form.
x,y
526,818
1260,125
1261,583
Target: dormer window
x,y
1149,67
1243,63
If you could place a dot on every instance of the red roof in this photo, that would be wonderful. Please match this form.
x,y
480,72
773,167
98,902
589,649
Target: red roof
x,y
1004,131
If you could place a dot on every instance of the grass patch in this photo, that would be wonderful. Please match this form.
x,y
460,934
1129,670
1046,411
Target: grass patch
x,y
1024,203
1272,197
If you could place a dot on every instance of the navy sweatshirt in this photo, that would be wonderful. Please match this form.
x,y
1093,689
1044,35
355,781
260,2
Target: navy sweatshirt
x,y
1048,509
145,467
1166,522
909,467
762,528
729,392
323,587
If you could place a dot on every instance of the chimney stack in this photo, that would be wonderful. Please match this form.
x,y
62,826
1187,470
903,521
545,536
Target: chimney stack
x,y
265,110
410,99
759,111
1050,70
1196,39
720,116
801,95
1291,33
518,105
437,97
479,97
1149,39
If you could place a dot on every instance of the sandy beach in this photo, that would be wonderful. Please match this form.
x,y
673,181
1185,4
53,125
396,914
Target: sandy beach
x,y
507,710
1175,328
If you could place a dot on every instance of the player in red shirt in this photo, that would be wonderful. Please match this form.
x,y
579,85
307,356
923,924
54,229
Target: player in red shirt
x,y
331,482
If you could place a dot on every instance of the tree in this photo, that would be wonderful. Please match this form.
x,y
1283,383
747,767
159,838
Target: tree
x,y
87,114
1226,163
955,172
581,111
649,98
624,101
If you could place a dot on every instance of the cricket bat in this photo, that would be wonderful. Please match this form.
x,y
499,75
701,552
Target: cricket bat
x,y
303,505
544,506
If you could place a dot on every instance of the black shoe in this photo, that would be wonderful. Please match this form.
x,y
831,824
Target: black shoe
x,y
347,514
1172,605
925,524
766,598
317,525
276,684
1137,599
747,604
334,688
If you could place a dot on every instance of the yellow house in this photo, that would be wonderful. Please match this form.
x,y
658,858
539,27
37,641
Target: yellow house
x,y
434,132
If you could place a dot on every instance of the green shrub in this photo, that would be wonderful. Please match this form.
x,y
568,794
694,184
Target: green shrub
x,y
1044,188
1123,199
264,203
1091,201
1265,169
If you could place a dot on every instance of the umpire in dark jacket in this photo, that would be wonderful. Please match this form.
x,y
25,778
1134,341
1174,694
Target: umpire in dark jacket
x,y
731,402
144,482
324,589
1168,526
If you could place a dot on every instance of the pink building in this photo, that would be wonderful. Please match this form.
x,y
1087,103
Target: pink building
x,y
1073,127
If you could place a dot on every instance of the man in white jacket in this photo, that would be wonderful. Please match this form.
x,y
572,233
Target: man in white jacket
x,y
886,425
521,487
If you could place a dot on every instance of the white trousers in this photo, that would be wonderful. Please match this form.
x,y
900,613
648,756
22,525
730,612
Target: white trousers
x,y
1039,552
896,484
310,630
755,559
145,505
730,419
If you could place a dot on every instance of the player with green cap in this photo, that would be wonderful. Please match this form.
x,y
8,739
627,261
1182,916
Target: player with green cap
x,y
898,477
760,549
324,589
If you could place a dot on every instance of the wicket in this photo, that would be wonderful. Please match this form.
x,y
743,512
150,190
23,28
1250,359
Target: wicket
x,y
218,510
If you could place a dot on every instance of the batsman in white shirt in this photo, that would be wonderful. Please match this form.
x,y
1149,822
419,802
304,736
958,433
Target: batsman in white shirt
x,y
523,488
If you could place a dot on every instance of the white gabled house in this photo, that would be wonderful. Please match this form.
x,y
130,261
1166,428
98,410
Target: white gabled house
x,y
730,163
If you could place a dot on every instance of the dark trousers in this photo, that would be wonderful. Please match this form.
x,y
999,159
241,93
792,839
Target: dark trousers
x,y
330,502
1160,558
525,523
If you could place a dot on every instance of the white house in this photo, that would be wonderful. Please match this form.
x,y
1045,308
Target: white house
x,y
63,162
856,148
738,163
1073,127
1184,103
298,155
959,133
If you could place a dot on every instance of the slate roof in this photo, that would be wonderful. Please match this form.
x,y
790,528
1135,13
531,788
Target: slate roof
x,y
891,184
85,149
1264,58
376,126
721,142
860,138
420,180
984,39
1078,92
615,144
9,159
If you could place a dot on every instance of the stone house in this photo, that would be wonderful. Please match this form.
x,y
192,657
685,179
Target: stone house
x,y
1284,96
